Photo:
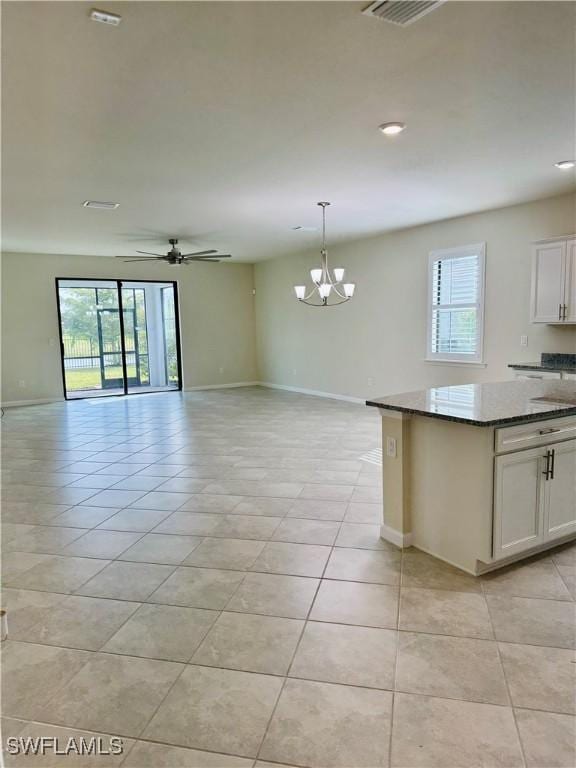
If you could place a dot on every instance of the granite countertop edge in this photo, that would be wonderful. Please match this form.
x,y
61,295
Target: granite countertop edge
x,y
541,367
557,413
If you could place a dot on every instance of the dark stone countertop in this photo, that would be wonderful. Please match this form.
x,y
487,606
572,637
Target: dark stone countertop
x,y
488,405
542,367
556,362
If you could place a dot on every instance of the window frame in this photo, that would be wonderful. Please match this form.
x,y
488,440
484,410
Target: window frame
x,y
461,251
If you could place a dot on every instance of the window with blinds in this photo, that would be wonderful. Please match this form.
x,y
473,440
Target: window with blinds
x,y
456,304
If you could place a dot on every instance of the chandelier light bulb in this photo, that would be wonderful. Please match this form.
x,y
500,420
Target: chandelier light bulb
x,y
324,290
338,274
300,291
349,290
316,275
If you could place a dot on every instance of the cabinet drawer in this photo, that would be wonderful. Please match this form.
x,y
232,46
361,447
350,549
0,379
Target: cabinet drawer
x,y
534,434
542,375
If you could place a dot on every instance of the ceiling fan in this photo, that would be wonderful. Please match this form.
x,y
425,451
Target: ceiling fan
x,y
175,256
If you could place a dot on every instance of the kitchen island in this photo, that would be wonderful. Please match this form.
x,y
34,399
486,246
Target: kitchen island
x,y
480,475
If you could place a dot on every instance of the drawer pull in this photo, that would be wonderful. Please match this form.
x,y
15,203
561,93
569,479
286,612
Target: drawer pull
x,y
548,431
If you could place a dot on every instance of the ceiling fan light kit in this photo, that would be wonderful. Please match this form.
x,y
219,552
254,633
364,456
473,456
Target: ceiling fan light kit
x,y
175,257
328,286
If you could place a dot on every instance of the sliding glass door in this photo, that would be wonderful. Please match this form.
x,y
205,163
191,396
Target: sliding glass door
x,y
118,337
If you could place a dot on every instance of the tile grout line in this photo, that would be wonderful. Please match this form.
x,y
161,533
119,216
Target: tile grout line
x,y
506,683
295,652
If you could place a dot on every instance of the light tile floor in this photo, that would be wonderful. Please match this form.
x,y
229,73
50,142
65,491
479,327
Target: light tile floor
x,y
202,575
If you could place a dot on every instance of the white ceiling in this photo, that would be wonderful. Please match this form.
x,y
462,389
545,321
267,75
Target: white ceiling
x,y
226,121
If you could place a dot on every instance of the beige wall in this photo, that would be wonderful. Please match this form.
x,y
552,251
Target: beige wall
x,y
216,313
381,333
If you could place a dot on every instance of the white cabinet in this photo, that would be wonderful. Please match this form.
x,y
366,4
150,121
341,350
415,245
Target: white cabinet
x,y
570,281
534,497
518,503
554,281
560,491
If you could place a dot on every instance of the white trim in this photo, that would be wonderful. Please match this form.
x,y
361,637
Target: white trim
x,y
557,239
543,547
314,392
233,385
42,401
401,540
445,254
460,363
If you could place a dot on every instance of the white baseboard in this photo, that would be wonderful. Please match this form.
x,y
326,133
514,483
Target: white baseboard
x,y
314,392
222,386
402,540
42,401
233,385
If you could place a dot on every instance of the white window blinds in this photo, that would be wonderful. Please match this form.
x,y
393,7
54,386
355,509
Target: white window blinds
x,y
456,304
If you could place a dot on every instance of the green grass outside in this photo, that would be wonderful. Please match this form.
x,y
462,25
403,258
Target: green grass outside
x,y
89,378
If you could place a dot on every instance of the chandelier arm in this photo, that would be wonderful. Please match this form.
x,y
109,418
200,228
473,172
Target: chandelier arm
x,y
312,292
342,295
334,304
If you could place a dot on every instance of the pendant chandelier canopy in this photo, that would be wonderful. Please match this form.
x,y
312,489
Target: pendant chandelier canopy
x,y
328,286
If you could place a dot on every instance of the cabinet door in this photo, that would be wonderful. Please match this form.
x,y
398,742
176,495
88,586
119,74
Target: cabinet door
x,y
570,282
560,492
518,502
548,294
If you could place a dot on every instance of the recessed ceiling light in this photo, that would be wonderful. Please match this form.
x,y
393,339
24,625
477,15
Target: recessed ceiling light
x,y
392,129
565,165
105,17
100,204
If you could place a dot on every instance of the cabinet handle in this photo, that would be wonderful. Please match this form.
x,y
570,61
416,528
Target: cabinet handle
x,y
560,307
553,457
548,431
546,472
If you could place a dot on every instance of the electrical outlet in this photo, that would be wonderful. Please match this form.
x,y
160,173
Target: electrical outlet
x,y
221,370
22,384
370,381
391,447
523,341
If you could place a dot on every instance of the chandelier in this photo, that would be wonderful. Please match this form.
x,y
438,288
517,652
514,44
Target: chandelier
x,y
328,286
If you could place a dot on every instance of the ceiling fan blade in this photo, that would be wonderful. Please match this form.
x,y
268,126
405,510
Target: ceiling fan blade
x,y
195,253
207,258
161,255
132,259
201,261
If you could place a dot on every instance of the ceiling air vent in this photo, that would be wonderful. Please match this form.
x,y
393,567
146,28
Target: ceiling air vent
x,y
401,12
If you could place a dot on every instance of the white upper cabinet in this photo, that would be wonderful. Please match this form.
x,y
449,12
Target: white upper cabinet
x,y
570,281
554,282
